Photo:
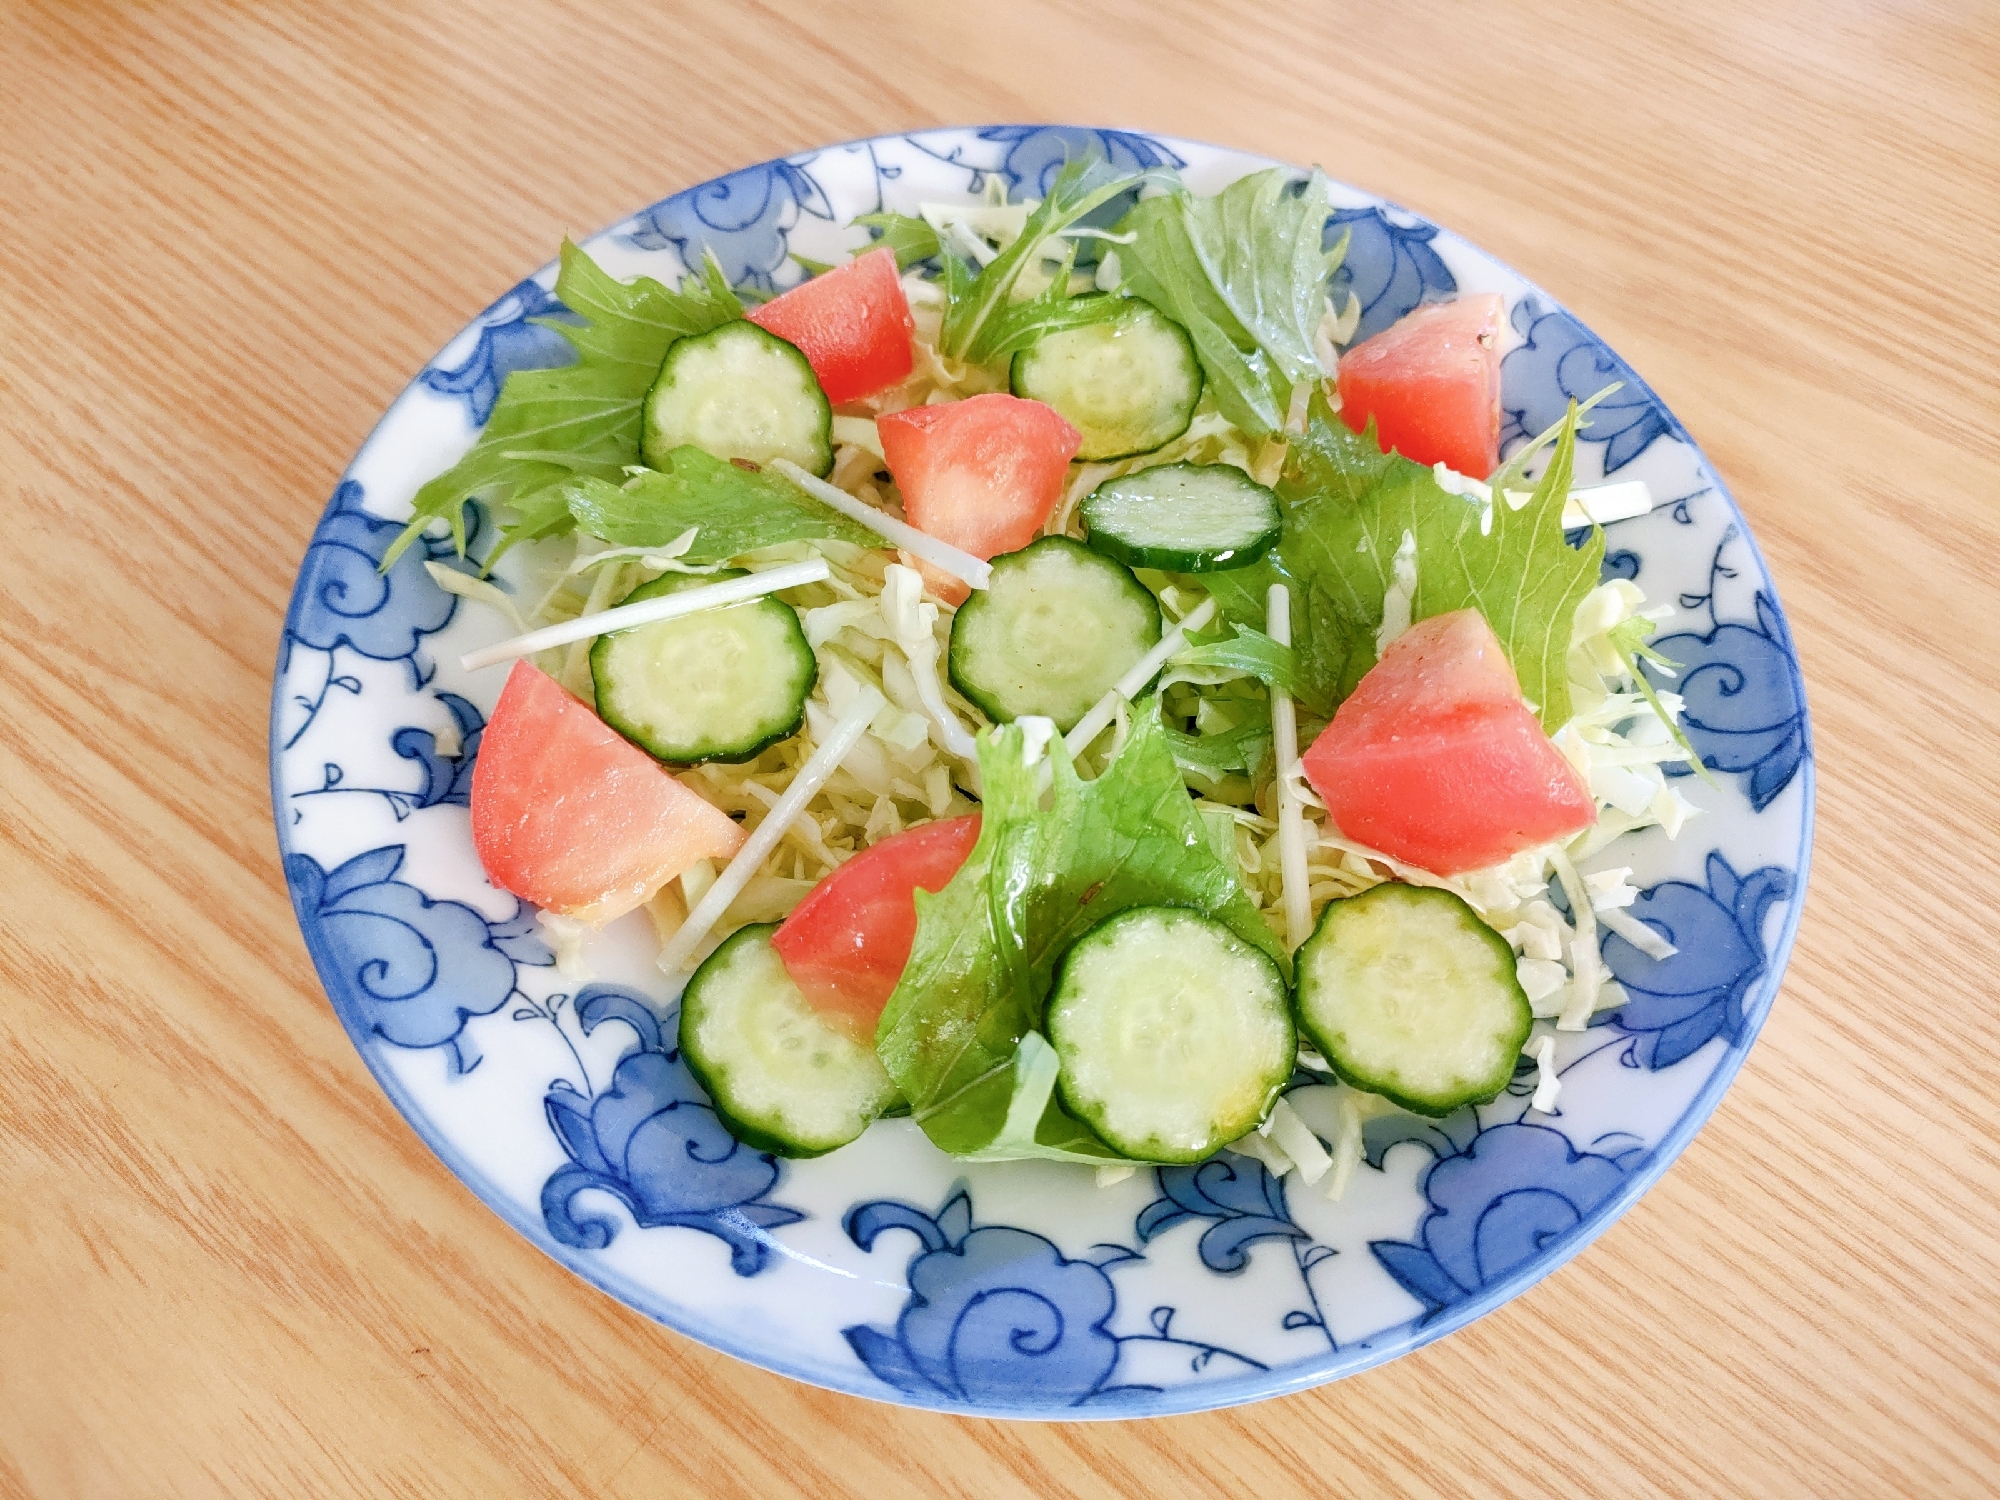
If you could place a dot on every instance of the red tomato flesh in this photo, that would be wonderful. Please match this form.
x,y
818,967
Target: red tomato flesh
x,y
852,324
845,945
1437,761
984,473
568,814
1432,384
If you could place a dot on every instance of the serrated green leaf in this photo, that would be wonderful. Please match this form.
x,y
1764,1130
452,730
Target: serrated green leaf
x,y
974,303
732,510
912,239
1629,639
1245,273
1250,651
1347,506
549,426
987,945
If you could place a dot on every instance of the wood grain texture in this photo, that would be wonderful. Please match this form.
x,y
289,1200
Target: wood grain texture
x,y
233,232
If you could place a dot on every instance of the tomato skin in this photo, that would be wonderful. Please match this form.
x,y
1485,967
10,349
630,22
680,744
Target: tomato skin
x,y
568,814
852,324
1436,760
984,473
846,944
1432,384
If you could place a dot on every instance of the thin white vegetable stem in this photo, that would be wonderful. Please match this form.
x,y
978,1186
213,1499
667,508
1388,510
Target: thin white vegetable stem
x,y
1133,683
1586,963
651,611
1285,752
963,565
846,734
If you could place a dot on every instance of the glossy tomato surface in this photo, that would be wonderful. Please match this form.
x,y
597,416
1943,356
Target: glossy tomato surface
x,y
1431,384
852,324
571,816
1436,760
983,474
846,944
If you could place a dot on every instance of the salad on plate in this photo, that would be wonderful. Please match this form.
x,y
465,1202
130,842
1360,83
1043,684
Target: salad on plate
x,y
1044,678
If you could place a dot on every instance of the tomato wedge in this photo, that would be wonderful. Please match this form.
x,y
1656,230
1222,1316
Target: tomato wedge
x,y
1432,384
852,324
1436,760
845,945
984,473
574,817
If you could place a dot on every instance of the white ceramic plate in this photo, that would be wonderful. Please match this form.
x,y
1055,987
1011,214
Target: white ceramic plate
x,y
888,1269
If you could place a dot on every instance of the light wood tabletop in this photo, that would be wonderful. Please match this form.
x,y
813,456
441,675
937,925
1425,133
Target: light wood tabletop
x,y
233,232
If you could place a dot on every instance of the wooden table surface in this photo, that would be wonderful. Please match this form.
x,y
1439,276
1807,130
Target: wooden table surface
x,y
231,234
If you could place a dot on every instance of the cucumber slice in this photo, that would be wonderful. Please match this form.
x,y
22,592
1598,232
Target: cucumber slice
x,y
1056,627
738,392
1128,382
1173,1034
1408,994
783,1079
720,685
1183,518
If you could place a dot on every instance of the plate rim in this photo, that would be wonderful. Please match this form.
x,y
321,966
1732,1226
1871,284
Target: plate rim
x,y
1198,1396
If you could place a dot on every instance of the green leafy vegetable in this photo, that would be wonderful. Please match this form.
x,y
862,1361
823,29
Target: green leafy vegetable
x,y
1216,755
735,510
1245,273
579,420
988,943
972,319
912,239
1347,506
1251,652
1022,324
1629,639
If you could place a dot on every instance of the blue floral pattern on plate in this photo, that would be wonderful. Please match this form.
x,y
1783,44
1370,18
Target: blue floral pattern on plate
x,y
652,1140
1559,361
514,334
1181,1289
996,1313
743,219
1512,1195
416,969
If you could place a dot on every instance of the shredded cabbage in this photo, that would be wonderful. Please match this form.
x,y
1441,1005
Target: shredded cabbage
x,y
875,627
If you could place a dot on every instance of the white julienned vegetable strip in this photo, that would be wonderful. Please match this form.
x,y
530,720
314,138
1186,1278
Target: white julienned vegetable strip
x,y
904,611
860,431
1348,1145
847,732
1620,500
1296,1139
1401,594
962,565
1292,877
651,611
482,590
1603,503
1547,1085
1133,683
1637,933
1586,962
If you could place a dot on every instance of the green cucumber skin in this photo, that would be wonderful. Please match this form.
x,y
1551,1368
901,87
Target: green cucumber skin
x,y
654,450
1021,381
957,667
600,672
753,1136
1176,560
1388,1087
711,1084
1181,559
1088,1116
